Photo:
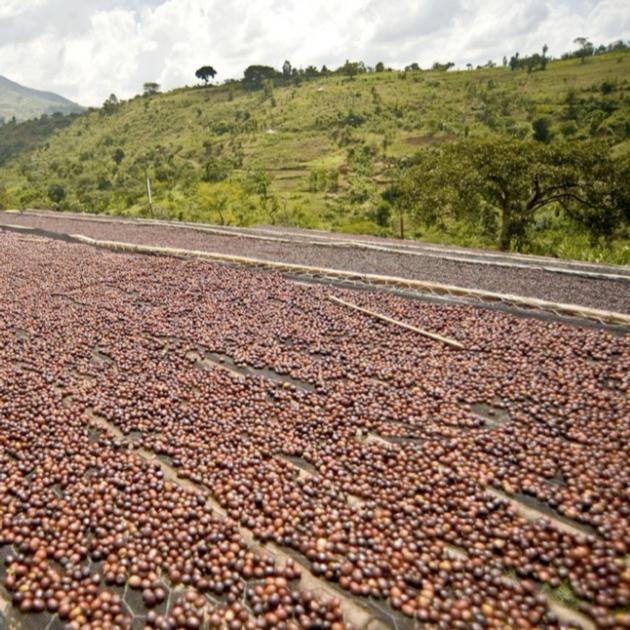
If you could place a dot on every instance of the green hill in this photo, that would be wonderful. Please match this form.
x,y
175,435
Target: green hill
x,y
22,103
315,153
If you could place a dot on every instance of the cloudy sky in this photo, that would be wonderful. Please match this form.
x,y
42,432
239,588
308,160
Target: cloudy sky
x,y
87,49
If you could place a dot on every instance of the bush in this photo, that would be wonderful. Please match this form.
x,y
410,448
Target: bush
x,y
4,198
542,130
382,214
217,170
56,193
353,119
118,156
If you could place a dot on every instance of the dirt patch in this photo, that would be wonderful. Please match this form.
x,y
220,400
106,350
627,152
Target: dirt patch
x,y
492,416
21,334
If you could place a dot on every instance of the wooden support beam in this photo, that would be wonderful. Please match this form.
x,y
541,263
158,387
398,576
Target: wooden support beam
x,y
385,318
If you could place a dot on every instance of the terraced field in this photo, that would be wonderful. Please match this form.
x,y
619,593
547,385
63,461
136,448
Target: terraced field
x,y
189,444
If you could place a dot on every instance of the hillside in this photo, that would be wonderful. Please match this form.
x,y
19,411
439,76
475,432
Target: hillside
x,y
315,154
23,103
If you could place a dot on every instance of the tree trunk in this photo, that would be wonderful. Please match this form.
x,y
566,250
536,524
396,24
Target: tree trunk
x,y
506,230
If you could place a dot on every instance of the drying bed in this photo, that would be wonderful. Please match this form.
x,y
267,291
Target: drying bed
x,y
186,444
606,288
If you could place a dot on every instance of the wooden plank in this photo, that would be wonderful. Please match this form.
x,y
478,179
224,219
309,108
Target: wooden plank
x,y
390,320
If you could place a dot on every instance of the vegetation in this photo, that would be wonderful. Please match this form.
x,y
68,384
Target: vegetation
x,y
255,76
357,149
501,185
205,73
20,138
150,88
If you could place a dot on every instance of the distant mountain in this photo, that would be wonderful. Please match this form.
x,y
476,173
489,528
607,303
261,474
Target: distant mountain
x,y
24,103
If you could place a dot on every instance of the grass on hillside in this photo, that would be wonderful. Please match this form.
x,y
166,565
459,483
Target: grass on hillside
x,y
318,154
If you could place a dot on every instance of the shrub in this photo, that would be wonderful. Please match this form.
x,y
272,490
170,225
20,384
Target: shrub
x,y
542,130
56,193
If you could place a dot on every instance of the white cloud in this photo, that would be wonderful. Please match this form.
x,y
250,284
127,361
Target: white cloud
x,y
86,50
13,8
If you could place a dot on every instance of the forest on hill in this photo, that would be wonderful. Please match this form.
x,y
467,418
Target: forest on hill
x,y
531,155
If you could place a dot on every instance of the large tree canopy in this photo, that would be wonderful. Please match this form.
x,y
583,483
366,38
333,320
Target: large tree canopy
x,y
255,76
150,88
512,180
205,73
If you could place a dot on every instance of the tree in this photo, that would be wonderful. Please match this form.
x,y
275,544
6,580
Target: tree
x,y
380,67
150,88
255,76
530,63
118,156
585,48
443,67
352,68
205,73
286,69
609,207
618,45
56,193
257,183
111,104
217,169
542,130
544,59
513,180
382,214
